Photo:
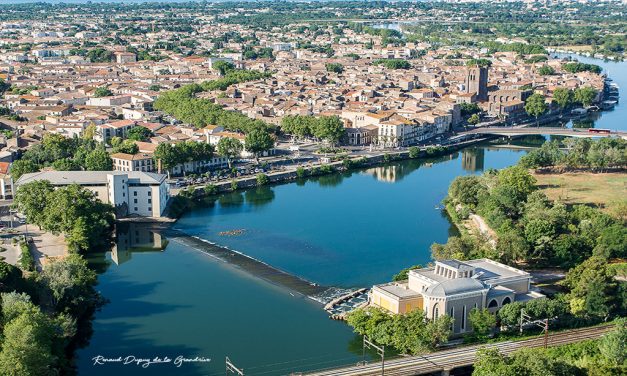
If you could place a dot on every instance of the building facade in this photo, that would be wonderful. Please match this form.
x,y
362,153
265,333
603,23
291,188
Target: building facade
x,y
133,162
132,193
454,288
477,82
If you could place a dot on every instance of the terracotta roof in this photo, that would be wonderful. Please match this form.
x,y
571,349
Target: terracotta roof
x,y
131,157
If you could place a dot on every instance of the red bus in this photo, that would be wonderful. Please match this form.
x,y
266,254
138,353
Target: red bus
x,y
598,130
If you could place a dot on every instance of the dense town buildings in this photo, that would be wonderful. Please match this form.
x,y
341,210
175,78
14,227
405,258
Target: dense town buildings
x,y
72,77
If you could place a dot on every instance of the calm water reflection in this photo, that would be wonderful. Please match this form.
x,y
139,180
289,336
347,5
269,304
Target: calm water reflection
x,y
346,230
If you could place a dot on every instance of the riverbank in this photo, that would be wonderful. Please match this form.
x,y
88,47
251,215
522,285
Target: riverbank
x,y
174,210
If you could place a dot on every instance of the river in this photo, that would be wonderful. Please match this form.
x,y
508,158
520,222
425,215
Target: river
x,y
344,230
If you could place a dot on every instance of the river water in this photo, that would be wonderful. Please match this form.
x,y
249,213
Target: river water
x,y
344,230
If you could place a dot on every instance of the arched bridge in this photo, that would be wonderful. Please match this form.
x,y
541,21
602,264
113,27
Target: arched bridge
x,y
520,131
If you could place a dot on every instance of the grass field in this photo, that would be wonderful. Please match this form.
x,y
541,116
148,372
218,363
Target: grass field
x,y
602,190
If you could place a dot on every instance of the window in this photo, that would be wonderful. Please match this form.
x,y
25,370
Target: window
x,y
136,208
463,324
149,193
135,201
149,201
135,193
507,300
436,311
493,304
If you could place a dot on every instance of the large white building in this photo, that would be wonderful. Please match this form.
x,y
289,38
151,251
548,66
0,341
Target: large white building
x,y
132,193
454,288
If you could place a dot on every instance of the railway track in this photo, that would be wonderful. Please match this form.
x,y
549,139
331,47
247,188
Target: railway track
x,y
458,357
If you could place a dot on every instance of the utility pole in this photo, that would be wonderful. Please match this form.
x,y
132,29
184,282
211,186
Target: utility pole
x,y
232,369
544,324
380,351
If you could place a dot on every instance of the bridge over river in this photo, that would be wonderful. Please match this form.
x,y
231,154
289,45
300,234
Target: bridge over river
x,y
446,360
524,131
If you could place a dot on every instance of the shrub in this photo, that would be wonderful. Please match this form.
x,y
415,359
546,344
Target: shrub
x,y
262,179
27,262
211,189
301,172
414,152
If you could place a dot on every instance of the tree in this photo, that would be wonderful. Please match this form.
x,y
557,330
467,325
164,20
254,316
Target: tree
x,y
258,141
139,133
409,333
490,362
223,67
21,167
474,119
563,97
611,243
89,132
83,218
577,67
329,128
511,247
27,345
98,160
482,321
535,106
465,190
15,304
519,179
479,63
66,164
166,156
438,331
592,288
403,275
585,95
57,146
100,55
102,91
546,70
509,314
334,67
613,346
31,200
299,126
71,283
229,148
126,146
392,63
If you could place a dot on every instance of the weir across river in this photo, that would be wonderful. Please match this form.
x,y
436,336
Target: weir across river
x,y
255,267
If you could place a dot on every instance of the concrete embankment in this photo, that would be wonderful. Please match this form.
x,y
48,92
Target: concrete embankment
x,y
315,169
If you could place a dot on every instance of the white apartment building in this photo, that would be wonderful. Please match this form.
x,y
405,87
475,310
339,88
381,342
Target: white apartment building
x,y
133,162
131,193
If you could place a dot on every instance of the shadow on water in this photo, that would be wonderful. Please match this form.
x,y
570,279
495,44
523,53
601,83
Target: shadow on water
x,y
131,305
113,334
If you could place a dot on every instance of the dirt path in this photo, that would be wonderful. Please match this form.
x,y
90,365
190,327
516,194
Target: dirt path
x,y
483,228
